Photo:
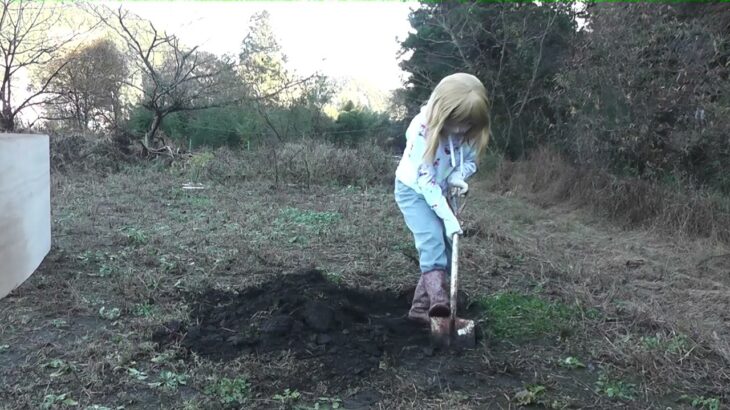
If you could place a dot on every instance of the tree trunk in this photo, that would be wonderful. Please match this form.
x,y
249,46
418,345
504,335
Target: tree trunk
x,y
150,134
7,121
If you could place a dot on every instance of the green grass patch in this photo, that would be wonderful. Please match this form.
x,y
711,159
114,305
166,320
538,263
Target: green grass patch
x,y
312,219
144,310
531,394
170,380
53,401
675,344
519,316
135,237
229,391
295,225
615,388
702,402
288,397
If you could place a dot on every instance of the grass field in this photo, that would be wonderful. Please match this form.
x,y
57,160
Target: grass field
x,y
251,294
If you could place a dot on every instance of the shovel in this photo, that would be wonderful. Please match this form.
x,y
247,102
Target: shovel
x,y
452,330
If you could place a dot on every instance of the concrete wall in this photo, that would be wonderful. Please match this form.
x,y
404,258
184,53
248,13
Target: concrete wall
x,y
25,207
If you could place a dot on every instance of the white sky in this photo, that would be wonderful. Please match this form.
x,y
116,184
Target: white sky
x,y
339,38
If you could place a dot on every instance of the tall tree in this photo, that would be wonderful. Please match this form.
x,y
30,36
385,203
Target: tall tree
x,y
516,49
174,77
88,86
262,66
26,44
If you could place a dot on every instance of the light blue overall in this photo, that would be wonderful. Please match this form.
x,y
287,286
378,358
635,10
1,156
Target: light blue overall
x,y
434,249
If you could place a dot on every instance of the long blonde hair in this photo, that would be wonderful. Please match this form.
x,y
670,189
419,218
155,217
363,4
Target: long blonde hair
x,y
459,97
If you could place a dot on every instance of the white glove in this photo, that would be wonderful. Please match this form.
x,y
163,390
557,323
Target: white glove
x,y
458,184
452,227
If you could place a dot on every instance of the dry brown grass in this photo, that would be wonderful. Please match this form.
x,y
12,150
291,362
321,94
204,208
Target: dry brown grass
x,y
306,163
549,179
663,298
138,242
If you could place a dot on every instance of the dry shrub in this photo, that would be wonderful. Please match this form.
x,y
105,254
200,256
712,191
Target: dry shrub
x,y
86,153
222,164
319,162
309,162
549,179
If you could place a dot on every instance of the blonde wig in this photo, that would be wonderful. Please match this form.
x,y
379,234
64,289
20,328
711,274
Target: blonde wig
x,y
459,98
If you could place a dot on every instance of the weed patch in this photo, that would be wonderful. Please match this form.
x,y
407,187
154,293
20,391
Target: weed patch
x,y
519,316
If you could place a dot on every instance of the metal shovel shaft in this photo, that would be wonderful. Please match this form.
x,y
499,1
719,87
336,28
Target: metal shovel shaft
x,y
451,330
454,278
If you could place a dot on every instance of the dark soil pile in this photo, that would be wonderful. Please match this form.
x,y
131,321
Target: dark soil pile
x,y
348,330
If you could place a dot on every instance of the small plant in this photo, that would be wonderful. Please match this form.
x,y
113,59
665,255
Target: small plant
x,y
54,364
137,374
143,310
136,237
163,357
616,389
334,277
532,394
230,391
651,342
109,314
701,402
52,400
107,269
571,362
58,323
287,397
60,367
170,380
198,163
678,344
90,256
326,403
167,265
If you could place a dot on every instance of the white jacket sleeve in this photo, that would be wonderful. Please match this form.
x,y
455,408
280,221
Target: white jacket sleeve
x,y
432,192
469,167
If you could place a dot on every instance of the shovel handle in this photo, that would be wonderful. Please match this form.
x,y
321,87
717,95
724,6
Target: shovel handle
x,y
454,275
457,202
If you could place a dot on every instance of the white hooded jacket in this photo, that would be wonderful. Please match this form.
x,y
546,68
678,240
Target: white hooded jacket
x,y
431,179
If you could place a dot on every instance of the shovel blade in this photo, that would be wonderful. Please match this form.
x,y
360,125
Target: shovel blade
x,y
460,333
441,331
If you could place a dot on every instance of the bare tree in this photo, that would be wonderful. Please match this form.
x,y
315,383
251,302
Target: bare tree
x,y
173,77
25,43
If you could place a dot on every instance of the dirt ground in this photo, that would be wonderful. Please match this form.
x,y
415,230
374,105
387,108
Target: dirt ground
x,y
247,295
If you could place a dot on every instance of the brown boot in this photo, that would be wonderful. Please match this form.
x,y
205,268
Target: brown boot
x,y
435,284
420,305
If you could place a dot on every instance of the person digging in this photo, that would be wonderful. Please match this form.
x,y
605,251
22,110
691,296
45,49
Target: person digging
x,y
443,144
